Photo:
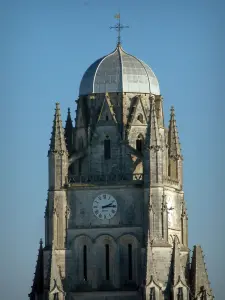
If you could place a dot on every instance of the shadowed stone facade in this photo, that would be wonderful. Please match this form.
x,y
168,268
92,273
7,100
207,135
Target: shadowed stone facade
x,y
116,224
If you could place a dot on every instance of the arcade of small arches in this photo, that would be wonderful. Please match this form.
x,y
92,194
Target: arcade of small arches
x,y
110,256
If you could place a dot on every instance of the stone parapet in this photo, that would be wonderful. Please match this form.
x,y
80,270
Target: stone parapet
x,y
105,179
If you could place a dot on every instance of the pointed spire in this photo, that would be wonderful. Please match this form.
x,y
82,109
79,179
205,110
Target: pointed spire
x,y
153,162
69,123
57,144
173,139
178,273
154,130
69,132
38,282
199,276
55,278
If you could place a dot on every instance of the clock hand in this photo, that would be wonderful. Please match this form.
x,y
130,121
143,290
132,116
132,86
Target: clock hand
x,y
108,205
104,206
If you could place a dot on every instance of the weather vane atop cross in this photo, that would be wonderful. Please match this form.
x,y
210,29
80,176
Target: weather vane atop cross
x,y
118,27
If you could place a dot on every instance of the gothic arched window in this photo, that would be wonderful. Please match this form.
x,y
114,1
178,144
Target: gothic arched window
x,y
140,118
140,143
107,262
180,294
85,262
130,264
169,170
152,293
56,296
107,148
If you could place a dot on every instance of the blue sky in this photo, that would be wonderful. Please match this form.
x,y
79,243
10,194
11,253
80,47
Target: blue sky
x,y
46,47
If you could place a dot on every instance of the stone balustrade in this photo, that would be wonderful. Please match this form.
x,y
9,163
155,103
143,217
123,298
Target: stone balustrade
x,y
136,178
170,181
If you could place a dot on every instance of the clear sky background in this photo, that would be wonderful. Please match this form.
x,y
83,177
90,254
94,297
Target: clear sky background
x,y
46,47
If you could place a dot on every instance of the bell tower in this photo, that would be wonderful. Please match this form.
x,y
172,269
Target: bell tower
x,y
116,223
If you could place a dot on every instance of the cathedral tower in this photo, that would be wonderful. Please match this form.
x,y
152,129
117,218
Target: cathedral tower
x,y
116,224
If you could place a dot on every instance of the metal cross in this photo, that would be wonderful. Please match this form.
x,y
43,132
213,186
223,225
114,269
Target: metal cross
x,y
118,27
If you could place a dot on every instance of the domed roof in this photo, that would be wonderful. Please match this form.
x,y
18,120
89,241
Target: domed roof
x,y
119,72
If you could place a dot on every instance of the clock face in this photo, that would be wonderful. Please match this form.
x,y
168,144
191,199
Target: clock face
x,y
104,207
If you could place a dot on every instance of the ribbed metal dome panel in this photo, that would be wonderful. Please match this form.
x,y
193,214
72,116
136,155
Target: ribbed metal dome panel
x,y
119,72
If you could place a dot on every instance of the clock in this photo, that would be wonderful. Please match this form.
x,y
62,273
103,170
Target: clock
x,y
104,207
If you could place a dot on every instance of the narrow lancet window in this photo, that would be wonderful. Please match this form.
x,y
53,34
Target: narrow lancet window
x,y
169,170
107,262
152,293
56,296
140,143
180,294
130,266
107,148
85,262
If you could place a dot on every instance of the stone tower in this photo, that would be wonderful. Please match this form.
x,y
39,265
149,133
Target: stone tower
x,y
116,224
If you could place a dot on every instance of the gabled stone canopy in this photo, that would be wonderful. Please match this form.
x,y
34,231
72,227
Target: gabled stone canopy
x,y
38,282
200,284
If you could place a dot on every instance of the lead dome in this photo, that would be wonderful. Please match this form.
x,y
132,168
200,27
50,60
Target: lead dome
x,y
119,72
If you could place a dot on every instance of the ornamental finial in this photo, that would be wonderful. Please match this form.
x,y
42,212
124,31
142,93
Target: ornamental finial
x,y
118,27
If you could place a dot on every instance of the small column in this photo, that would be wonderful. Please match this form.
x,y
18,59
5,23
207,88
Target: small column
x,y
184,226
153,153
164,218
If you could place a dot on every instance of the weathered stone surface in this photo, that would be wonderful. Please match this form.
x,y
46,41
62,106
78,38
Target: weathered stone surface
x,y
142,252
